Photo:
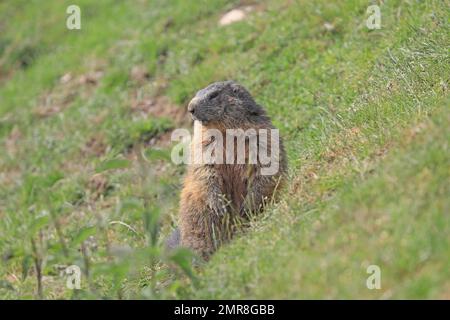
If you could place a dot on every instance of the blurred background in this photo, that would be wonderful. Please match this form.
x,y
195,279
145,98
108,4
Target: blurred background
x,y
86,117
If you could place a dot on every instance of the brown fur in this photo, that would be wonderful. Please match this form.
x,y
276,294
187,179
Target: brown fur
x,y
215,197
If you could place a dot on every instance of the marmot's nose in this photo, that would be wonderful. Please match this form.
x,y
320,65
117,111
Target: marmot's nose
x,y
192,105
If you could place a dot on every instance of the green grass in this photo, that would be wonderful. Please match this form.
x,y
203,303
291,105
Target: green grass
x,y
364,115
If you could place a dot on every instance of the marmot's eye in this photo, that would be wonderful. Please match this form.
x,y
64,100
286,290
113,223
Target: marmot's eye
x,y
213,95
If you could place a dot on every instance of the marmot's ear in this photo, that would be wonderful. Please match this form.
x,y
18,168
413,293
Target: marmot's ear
x,y
235,87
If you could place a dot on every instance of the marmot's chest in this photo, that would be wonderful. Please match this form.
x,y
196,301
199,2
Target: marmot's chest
x,y
234,182
230,162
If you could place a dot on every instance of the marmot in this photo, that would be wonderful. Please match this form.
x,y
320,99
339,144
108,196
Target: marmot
x,y
216,196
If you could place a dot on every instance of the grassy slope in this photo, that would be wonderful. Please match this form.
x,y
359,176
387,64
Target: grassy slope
x,y
364,115
347,207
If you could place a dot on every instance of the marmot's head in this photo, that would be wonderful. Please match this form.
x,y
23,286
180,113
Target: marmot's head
x,y
226,103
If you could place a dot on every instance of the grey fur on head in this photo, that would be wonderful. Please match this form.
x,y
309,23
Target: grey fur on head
x,y
225,102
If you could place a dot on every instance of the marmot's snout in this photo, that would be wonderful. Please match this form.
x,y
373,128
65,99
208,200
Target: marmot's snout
x,y
226,103
192,106
208,103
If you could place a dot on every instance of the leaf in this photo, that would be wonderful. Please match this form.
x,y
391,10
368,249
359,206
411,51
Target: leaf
x,y
127,226
131,204
151,223
6,285
182,257
157,154
112,165
52,178
26,263
83,235
39,223
54,249
29,189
